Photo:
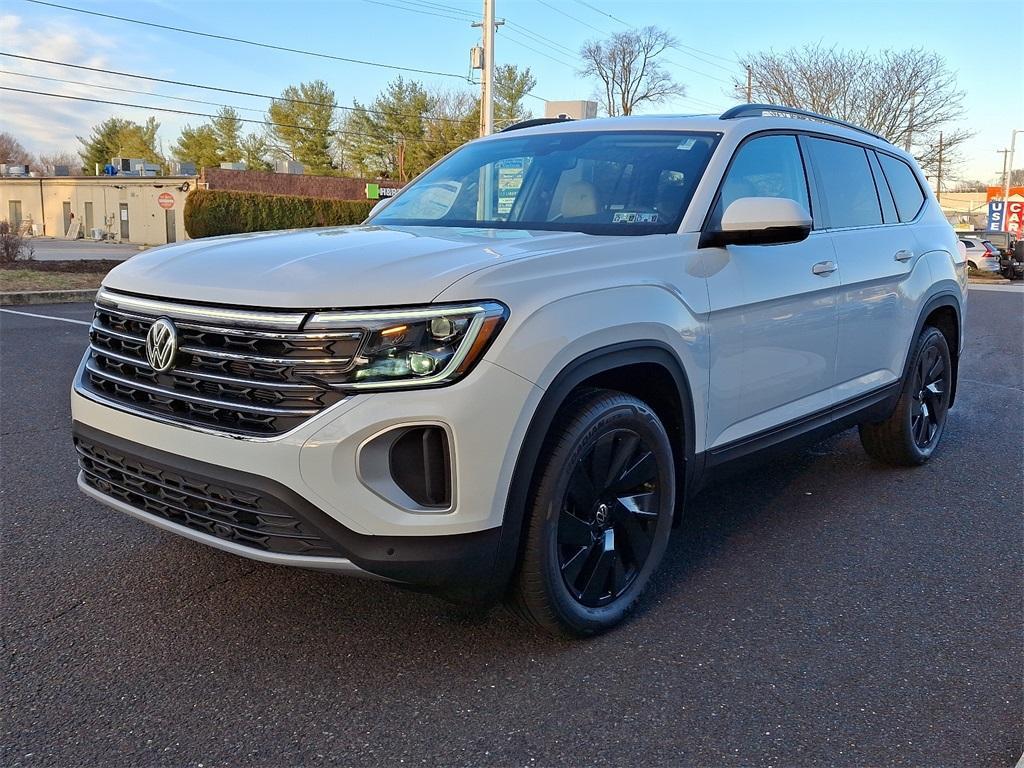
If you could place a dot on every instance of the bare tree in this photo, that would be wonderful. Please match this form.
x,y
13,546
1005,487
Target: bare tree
x,y
47,162
628,70
12,151
900,94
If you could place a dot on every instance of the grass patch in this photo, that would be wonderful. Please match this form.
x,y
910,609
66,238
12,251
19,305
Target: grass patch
x,y
34,280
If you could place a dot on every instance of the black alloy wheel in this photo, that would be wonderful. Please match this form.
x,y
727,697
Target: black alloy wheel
x,y
910,434
599,516
931,398
608,518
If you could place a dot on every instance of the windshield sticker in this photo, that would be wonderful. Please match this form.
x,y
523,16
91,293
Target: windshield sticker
x,y
687,144
634,217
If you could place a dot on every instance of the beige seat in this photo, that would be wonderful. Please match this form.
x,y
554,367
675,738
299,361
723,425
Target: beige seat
x,y
580,199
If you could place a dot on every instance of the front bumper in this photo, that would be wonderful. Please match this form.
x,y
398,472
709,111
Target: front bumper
x,y
315,472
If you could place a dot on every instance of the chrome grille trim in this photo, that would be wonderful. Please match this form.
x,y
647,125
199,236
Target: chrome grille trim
x,y
285,321
193,374
176,395
242,381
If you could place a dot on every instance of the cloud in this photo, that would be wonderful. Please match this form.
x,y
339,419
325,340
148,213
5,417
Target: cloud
x,y
45,124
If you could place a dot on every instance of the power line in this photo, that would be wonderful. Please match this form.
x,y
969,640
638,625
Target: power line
x,y
232,91
677,47
243,41
330,131
125,90
570,16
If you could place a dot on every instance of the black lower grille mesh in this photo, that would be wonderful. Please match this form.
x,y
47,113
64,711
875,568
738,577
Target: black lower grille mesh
x,y
235,514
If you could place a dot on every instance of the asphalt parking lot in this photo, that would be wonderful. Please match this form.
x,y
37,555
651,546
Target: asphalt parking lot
x,y
820,610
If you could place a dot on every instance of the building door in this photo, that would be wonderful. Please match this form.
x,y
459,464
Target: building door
x,y
123,210
88,220
67,216
14,209
172,236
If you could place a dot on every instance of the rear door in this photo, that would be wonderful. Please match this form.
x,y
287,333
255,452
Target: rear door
x,y
877,253
773,308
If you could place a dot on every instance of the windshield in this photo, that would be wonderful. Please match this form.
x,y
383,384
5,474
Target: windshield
x,y
621,183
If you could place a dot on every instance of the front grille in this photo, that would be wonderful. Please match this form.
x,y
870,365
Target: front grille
x,y
236,514
239,379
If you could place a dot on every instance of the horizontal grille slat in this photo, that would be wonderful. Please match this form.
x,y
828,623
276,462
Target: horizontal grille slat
x,y
242,516
241,379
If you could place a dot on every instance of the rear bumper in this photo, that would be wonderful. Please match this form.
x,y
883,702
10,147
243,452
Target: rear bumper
x,y
259,518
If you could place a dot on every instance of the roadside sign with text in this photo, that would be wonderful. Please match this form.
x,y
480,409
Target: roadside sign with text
x,y
995,214
165,200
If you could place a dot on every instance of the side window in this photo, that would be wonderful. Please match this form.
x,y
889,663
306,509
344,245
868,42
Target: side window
x,y
767,166
905,189
845,185
884,193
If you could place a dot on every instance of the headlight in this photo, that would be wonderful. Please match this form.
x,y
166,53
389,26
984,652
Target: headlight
x,y
414,347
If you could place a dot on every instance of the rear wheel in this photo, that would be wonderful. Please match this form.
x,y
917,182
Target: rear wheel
x,y
972,265
910,435
600,517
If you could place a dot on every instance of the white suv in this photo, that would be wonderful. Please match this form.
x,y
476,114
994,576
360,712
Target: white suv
x,y
509,380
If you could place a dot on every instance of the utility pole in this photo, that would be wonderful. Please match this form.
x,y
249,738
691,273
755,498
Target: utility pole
x,y
489,25
750,85
938,179
910,123
1008,161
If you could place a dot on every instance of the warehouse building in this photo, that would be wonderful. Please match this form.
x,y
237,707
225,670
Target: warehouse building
x,y
129,209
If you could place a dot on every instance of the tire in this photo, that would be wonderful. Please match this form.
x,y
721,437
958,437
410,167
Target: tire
x,y
972,265
909,436
599,518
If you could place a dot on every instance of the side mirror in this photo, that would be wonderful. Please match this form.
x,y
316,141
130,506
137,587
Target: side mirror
x,y
760,221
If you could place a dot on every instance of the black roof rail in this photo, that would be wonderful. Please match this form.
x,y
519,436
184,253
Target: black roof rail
x,y
535,121
758,110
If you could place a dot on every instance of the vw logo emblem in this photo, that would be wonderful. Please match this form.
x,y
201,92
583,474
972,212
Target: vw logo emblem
x,y
161,344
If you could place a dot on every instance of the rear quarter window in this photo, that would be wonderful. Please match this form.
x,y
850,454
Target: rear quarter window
x,y
903,183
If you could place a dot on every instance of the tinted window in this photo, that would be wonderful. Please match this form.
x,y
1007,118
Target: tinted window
x,y
905,189
884,195
845,184
623,183
768,166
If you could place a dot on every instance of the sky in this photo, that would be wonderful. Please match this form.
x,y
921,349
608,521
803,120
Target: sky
x,y
435,35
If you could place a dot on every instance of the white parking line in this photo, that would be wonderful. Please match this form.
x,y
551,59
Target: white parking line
x,y
1005,288
48,317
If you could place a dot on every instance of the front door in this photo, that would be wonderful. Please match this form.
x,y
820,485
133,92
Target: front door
x,y
773,308
89,222
172,236
123,212
67,217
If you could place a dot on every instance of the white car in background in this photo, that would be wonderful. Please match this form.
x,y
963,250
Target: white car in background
x,y
981,255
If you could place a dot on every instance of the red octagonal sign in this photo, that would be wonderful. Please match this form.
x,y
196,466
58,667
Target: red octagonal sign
x,y
165,200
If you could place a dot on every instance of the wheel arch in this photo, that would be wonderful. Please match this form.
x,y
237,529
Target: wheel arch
x,y
945,313
614,367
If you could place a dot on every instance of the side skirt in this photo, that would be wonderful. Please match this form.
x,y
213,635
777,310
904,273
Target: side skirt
x,y
807,430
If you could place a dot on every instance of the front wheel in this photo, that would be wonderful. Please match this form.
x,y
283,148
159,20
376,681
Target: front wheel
x,y
910,435
599,519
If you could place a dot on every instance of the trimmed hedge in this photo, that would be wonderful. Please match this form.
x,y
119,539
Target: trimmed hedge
x,y
210,212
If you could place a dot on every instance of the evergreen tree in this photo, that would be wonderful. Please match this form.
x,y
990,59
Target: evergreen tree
x,y
228,130
116,137
198,145
303,122
510,89
388,138
254,150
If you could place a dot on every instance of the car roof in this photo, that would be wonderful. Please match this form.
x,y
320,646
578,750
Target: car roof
x,y
742,125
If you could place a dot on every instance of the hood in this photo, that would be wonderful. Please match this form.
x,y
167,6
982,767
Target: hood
x,y
361,266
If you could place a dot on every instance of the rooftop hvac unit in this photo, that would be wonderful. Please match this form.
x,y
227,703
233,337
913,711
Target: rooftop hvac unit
x,y
234,166
183,169
7,169
143,168
289,166
62,170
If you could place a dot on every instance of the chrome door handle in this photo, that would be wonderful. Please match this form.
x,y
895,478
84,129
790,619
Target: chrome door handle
x,y
904,255
824,268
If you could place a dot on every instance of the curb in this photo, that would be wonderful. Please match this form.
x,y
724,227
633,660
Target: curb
x,y
13,298
987,281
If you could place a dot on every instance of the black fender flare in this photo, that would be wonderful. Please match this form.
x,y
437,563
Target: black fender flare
x,y
572,375
944,299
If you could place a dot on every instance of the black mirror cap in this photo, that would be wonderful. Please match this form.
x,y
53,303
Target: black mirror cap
x,y
767,236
